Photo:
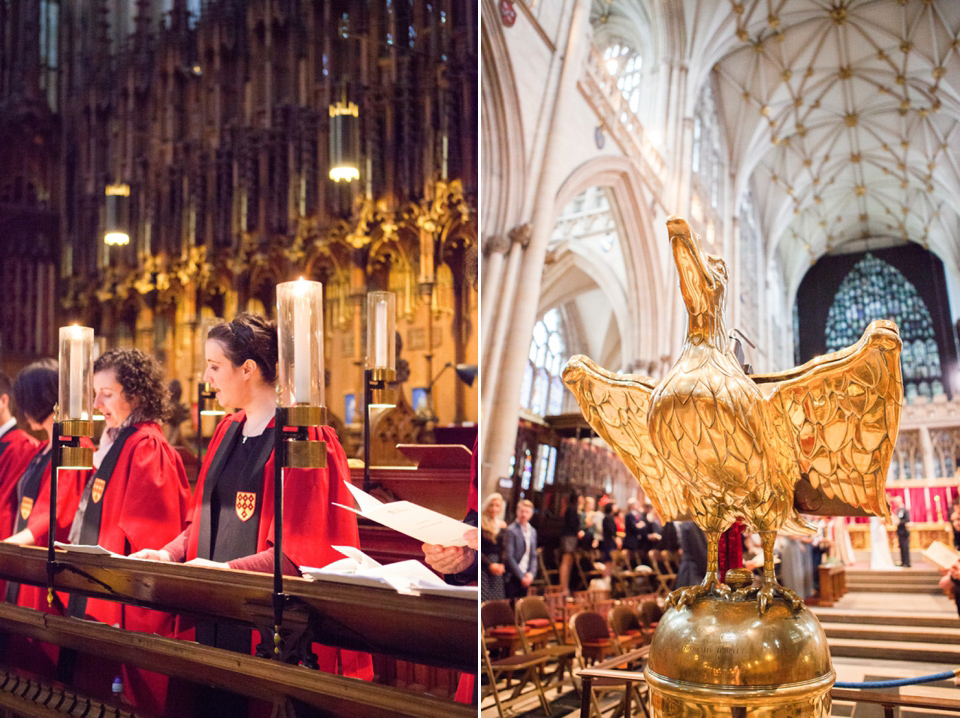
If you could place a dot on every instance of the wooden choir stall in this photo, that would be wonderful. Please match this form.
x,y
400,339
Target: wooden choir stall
x,y
435,631
420,644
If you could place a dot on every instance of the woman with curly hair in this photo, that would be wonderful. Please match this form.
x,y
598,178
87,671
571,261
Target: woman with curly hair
x,y
231,522
137,495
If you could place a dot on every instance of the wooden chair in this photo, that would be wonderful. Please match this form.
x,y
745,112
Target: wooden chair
x,y
584,563
549,576
593,642
650,613
500,623
529,663
665,577
627,628
592,638
533,614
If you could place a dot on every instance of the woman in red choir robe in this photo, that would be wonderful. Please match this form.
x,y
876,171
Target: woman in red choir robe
x,y
231,523
35,391
17,448
138,495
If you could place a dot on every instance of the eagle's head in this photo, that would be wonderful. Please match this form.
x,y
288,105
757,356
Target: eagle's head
x,y
703,277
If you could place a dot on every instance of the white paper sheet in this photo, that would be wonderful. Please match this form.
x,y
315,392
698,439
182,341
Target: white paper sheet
x,y
407,577
415,521
84,548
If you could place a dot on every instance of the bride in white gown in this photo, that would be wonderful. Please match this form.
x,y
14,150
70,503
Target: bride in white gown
x,y
880,558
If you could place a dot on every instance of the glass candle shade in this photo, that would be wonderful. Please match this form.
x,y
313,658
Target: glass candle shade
x,y
300,333
381,328
427,249
76,373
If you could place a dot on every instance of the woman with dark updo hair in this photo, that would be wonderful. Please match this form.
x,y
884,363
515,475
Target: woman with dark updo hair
x,y
137,496
35,391
232,515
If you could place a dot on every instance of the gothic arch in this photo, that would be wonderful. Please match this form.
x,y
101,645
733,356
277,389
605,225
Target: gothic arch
x,y
503,171
635,225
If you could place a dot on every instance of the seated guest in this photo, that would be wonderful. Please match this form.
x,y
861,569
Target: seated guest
x,y
35,391
137,497
520,552
17,447
231,520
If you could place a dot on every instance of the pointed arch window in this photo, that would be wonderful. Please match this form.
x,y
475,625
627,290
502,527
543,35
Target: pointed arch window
x,y
626,65
707,150
542,390
876,290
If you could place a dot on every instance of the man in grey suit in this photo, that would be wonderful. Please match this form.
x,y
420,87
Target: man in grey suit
x,y
520,552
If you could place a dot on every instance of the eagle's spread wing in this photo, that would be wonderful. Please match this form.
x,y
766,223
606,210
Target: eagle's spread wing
x,y
616,407
843,412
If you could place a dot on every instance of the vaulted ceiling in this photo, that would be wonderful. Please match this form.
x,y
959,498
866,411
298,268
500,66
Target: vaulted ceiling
x,y
842,116
845,115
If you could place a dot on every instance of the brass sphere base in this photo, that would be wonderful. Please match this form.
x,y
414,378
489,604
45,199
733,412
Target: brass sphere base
x,y
720,658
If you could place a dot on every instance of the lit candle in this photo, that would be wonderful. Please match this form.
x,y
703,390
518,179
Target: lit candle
x,y
301,343
76,373
380,334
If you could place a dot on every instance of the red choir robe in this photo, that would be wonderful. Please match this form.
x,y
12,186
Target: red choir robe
x,y
18,447
36,656
145,502
311,524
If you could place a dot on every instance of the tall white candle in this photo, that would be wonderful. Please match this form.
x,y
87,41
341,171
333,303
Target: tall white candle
x,y
76,375
380,334
301,344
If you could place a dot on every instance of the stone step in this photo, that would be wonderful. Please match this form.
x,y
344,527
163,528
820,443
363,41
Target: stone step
x,y
894,650
908,574
893,632
894,588
877,618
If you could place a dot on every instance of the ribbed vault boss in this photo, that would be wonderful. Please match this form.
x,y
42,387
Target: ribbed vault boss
x,y
711,441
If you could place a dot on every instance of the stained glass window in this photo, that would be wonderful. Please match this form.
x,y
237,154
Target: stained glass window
x,y
625,64
876,290
707,150
542,390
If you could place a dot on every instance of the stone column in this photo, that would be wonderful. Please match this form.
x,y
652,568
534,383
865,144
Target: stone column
x,y
493,350
501,408
495,249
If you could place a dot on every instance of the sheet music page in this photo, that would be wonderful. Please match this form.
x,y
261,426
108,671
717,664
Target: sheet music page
x,y
89,549
941,554
418,522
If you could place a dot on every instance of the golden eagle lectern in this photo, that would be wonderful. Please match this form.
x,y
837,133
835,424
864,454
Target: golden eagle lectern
x,y
711,441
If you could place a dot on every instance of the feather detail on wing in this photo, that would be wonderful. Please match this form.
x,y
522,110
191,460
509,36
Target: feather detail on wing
x,y
616,407
843,412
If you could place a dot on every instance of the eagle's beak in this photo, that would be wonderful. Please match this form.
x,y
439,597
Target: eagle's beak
x,y
695,278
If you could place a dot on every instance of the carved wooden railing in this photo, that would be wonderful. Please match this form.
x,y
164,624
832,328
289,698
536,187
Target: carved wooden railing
x,y
431,630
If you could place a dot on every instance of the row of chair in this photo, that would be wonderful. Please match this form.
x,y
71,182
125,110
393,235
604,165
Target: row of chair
x,y
632,572
528,637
